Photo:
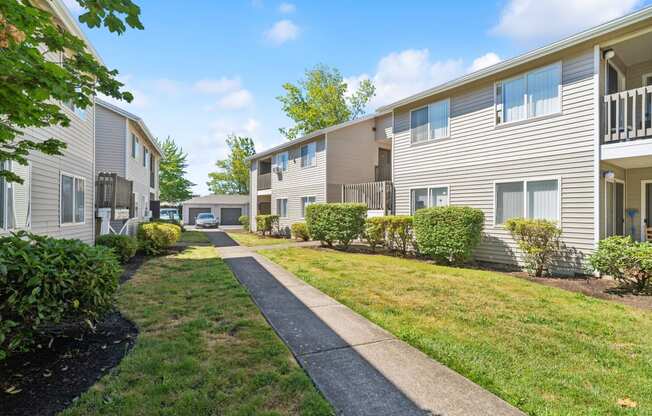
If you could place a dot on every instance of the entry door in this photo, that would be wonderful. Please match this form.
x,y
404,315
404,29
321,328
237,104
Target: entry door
x,y
384,172
615,208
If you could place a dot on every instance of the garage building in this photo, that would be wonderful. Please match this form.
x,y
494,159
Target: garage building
x,y
228,208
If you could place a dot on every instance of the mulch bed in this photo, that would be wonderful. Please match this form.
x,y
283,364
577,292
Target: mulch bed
x,y
47,380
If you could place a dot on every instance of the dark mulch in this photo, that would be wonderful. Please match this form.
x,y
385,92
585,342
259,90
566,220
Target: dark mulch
x,y
131,267
48,380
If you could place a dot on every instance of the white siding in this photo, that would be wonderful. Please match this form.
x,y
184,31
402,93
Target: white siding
x,y
478,153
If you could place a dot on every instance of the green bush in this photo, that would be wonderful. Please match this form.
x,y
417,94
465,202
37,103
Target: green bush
x,y
448,234
625,260
331,223
44,281
178,223
375,230
300,231
266,223
244,221
538,240
123,246
156,237
400,234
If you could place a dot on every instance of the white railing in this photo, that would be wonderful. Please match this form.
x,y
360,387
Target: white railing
x,y
376,195
627,115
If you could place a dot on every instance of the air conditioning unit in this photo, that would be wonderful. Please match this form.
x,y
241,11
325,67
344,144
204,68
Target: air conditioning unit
x,y
277,169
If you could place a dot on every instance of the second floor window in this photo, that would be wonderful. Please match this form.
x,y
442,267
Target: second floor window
x,y
282,161
533,94
134,146
145,157
308,158
430,122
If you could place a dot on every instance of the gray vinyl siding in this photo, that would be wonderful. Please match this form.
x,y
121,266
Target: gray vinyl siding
x,y
111,135
477,153
138,173
253,194
383,127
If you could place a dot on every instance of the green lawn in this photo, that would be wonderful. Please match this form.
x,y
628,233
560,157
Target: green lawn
x,y
251,240
203,349
543,349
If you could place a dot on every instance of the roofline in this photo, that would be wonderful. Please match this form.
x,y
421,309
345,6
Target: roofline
x,y
132,117
314,134
69,21
568,42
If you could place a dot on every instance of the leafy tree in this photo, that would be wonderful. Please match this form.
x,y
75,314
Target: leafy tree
x,y
42,66
233,174
173,184
319,100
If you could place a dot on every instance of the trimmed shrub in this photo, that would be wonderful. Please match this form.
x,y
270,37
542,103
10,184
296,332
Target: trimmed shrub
x,y
123,246
178,223
331,223
244,221
538,240
375,229
44,281
625,260
156,237
300,231
399,232
265,224
448,234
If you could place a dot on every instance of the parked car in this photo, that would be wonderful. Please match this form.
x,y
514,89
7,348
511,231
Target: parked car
x,y
170,214
207,220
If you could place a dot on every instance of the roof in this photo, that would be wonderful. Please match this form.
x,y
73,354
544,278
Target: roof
x,y
62,12
132,117
218,199
568,42
317,133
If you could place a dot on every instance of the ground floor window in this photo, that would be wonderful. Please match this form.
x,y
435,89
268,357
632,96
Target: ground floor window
x,y
535,199
282,207
428,197
72,199
305,201
15,198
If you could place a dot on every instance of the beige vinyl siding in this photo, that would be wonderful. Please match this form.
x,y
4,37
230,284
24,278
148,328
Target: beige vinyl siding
x,y
253,194
136,172
298,182
383,127
110,151
477,153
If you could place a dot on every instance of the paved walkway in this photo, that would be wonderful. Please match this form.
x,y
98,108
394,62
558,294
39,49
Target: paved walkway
x,y
359,367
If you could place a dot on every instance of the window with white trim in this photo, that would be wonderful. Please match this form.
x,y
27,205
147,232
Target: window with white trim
x,y
308,152
282,161
72,199
282,207
533,199
430,122
145,157
533,94
305,201
134,146
428,197
15,198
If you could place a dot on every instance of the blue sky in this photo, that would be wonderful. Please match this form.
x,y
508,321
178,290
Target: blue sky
x,y
202,69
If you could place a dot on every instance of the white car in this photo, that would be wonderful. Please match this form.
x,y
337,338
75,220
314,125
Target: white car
x,y
206,220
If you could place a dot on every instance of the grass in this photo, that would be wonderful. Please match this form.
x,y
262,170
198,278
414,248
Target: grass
x,y
193,237
203,349
543,349
252,240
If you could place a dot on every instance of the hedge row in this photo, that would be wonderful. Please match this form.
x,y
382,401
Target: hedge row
x,y
331,223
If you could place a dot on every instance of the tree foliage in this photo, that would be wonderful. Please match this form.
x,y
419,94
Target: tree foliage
x,y
42,66
319,100
232,176
173,184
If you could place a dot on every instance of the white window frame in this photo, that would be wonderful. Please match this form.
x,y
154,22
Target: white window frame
x,y
501,107
287,207
314,144
303,207
5,188
525,204
430,138
428,188
644,77
135,144
74,205
287,160
145,157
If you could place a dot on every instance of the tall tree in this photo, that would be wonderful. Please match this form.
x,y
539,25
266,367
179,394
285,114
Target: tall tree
x,y
319,100
232,176
32,83
173,184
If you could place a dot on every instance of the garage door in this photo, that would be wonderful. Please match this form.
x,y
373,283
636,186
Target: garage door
x,y
193,212
230,216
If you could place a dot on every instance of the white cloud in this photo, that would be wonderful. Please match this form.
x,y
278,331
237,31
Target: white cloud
x,y
167,86
235,100
73,6
217,86
484,61
141,99
526,20
282,31
287,8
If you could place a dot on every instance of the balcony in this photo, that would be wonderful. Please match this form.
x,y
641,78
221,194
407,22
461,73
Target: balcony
x,y
116,193
627,115
378,196
264,181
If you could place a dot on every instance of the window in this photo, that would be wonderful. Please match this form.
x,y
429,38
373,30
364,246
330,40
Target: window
x,y
535,199
72,199
282,161
145,157
134,146
282,207
15,198
430,122
433,196
308,155
305,201
530,95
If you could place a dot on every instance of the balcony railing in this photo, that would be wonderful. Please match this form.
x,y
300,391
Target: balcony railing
x,y
376,195
627,115
115,192
264,181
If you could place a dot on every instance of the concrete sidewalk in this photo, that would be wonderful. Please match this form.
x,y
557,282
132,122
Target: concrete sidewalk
x,y
359,367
